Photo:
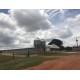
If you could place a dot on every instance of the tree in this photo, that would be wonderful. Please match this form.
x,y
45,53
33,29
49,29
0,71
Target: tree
x,y
62,48
68,48
57,42
0,51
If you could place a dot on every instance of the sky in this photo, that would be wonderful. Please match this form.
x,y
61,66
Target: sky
x,y
19,27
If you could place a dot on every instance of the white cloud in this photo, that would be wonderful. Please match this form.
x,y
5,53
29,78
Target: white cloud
x,y
6,22
30,20
19,28
65,32
73,21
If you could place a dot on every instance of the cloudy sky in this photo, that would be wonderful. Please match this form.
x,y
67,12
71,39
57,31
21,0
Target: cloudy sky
x,y
19,27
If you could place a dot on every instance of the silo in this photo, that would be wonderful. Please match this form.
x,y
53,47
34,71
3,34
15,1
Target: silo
x,y
37,43
43,43
40,45
43,46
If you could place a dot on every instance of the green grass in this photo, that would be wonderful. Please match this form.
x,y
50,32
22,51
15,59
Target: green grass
x,y
7,62
58,54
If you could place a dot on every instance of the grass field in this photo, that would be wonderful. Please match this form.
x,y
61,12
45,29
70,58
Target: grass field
x,y
58,54
8,63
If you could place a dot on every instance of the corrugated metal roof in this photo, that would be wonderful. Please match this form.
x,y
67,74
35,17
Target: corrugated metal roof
x,y
53,46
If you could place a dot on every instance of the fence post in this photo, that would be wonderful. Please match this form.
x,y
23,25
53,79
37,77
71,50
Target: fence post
x,y
13,55
44,52
28,54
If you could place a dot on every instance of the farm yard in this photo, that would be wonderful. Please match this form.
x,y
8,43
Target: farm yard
x,y
49,61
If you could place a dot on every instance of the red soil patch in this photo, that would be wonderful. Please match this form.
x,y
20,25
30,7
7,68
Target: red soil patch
x,y
64,63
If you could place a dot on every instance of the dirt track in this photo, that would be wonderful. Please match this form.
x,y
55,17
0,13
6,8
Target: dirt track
x,y
64,63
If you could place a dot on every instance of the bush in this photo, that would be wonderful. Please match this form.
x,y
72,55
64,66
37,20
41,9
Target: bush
x,y
68,48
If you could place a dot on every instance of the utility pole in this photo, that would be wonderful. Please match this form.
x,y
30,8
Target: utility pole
x,y
77,42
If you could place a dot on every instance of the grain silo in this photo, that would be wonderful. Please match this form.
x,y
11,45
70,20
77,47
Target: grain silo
x,y
43,43
38,43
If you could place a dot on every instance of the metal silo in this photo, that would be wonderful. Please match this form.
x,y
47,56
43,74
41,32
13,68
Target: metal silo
x,y
37,43
43,43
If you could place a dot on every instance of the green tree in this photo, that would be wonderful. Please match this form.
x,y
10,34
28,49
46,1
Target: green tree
x,y
57,42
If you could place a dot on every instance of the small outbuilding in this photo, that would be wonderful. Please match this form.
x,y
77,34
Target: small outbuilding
x,y
52,48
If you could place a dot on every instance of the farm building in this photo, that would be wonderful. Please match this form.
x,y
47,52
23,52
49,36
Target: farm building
x,y
52,47
39,46
76,48
21,51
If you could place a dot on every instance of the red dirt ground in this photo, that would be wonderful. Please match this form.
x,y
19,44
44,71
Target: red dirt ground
x,y
64,63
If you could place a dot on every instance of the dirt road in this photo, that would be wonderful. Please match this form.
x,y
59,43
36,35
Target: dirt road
x,y
64,63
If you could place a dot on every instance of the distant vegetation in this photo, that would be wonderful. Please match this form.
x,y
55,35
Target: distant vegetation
x,y
0,51
68,48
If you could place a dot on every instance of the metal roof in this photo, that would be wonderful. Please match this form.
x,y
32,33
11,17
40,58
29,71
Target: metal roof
x,y
53,46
